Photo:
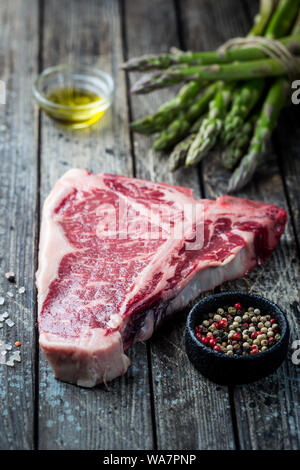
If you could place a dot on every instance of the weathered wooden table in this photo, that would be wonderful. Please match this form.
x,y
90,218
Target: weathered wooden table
x,y
162,402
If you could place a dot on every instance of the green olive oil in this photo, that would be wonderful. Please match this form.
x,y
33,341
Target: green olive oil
x,y
75,110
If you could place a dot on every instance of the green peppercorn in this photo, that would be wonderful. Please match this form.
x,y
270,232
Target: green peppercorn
x,y
232,310
217,318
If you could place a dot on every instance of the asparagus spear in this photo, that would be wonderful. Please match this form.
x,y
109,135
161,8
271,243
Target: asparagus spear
x,y
197,124
211,126
235,149
181,125
282,19
232,71
244,100
178,155
261,20
168,111
163,61
272,107
280,24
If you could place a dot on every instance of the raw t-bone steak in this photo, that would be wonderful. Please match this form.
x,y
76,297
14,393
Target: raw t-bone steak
x,y
118,255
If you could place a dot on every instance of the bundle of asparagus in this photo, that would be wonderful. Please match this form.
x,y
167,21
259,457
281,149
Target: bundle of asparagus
x,y
229,95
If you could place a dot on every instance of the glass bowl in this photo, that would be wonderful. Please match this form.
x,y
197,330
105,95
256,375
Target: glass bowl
x,y
92,88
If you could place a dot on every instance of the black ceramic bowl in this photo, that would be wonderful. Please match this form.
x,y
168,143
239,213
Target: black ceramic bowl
x,y
224,369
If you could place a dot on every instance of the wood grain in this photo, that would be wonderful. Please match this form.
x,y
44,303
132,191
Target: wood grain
x,y
273,403
286,141
179,390
70,417
18,199
162,401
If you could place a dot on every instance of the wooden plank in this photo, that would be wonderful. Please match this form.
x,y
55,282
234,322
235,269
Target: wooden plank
x,y
71,417
273,403
178,388
286,385
18,183
287,142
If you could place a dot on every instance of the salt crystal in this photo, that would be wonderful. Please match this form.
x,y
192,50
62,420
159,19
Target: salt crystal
x,y
10,363
3,353
8,347
1,318
2,300
5,314
10,276
9,322
16,356
1,325
10,294
21,290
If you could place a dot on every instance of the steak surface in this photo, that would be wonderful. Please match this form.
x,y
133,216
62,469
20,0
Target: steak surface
x,y
119,255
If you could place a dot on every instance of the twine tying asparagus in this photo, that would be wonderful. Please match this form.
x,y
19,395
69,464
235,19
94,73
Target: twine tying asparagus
x,y
271,47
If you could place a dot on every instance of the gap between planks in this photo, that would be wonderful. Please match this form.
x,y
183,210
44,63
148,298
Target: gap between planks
x,y
38,223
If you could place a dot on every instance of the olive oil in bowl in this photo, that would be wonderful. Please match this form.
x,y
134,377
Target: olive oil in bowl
x,y
76,97
79,114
